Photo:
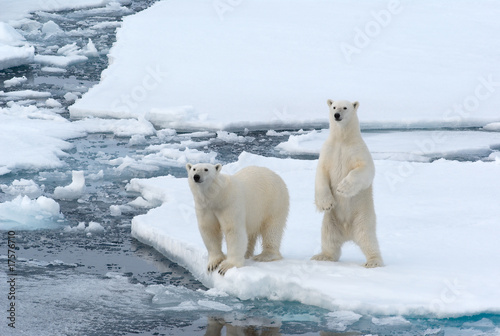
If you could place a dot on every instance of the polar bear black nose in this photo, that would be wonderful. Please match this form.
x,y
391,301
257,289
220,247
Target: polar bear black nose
x,y
196,178
337,116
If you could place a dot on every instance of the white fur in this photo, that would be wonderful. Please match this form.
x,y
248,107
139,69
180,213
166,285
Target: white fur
x,y
343,188
251,203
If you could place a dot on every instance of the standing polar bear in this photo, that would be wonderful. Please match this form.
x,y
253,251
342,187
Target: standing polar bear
x,y
251,203
343,188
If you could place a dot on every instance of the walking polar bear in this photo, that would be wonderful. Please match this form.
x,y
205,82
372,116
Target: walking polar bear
x,y
251,203
343,188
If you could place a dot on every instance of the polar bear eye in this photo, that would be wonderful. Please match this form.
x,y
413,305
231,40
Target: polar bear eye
x,y
334,107
206,169
345,108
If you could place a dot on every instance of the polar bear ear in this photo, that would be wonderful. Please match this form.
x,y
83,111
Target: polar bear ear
x,y
189,166
355,105
218,167
329,102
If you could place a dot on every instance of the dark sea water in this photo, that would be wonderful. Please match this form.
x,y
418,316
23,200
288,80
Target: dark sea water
x,y
108,283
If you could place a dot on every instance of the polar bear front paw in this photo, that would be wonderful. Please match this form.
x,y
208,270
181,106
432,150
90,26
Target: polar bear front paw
x,y
213,263
347,189
374,263
225,266
325,203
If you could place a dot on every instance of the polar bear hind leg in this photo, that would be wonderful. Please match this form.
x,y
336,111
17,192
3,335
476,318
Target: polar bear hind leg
x,y
252,239
272,232
332,239
365,237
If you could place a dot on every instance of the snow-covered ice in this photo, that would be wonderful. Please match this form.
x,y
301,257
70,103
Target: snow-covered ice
x,y
438,240
16,10
267,64
404,145
33,137
14,50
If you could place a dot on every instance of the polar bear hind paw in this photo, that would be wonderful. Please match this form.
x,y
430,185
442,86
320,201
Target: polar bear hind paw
x,y
323,257
373,263
268,256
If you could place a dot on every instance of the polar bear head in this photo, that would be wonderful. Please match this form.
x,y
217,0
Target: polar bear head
x,y
342,111
203,173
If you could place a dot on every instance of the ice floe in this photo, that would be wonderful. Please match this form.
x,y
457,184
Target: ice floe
x,y
438,240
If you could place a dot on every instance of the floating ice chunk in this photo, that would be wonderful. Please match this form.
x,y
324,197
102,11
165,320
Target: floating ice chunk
x,y
340,320
22,187
137,139
52,69
183,306
90,50
492,127
14,81
74,190
121,127
69,49
15,56
277,134
14,51
212,305
215,292
51,102
140,202
59,61
25,94
151,196
51,28
23,213
95,177
4,170
70,96
233,137
79,227
94,227
115,210
390,321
